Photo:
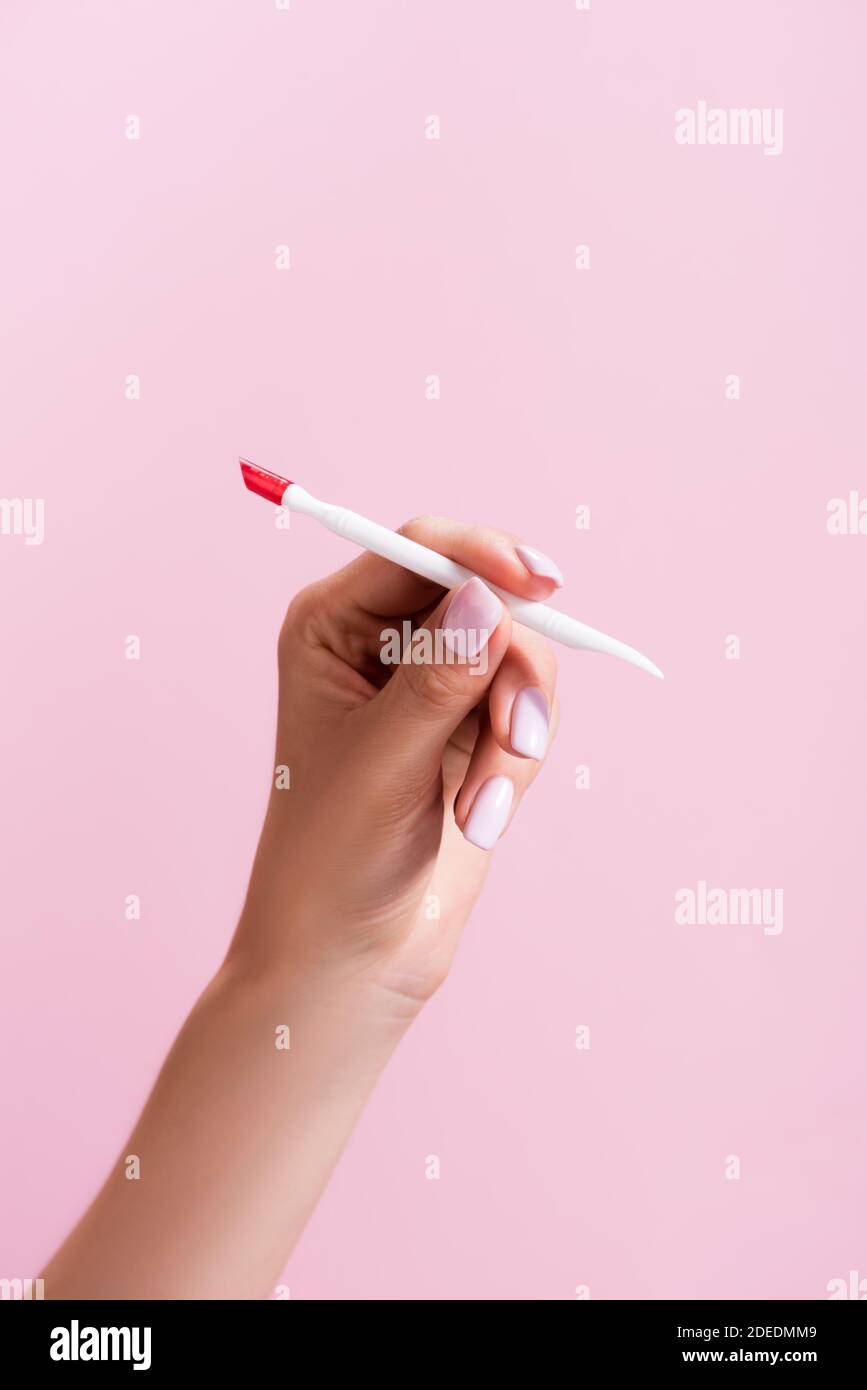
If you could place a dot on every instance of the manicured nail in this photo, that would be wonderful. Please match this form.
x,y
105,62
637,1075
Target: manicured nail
x,y
529,732
539,564
489,812
470,618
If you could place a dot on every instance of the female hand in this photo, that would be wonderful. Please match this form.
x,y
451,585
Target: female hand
x,y
396,780
372,853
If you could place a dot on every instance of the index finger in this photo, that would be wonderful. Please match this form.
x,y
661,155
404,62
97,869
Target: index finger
x,y
384,589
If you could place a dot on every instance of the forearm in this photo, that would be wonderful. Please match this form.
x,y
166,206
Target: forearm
x,y
236,1142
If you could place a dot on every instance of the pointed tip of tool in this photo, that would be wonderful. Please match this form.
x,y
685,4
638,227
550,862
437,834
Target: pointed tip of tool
x,y
268,485
646,664
635,658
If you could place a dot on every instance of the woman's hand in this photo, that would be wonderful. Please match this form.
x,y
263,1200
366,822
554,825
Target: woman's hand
x,y
392,782
395,782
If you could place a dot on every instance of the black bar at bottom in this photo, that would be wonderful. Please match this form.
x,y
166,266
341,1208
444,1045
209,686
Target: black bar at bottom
x,y
155,1338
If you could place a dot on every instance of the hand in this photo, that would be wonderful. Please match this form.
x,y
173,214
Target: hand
x,y
400,778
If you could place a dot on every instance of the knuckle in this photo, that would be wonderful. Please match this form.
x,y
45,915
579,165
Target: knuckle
x,y
495,540
537,655
418,525
547,668
299,620
433,686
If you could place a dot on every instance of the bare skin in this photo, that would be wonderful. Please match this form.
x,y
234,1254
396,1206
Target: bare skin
x,y
337,940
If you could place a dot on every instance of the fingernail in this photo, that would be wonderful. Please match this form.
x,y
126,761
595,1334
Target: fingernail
x,y
470,618
489,813
539,564
529,732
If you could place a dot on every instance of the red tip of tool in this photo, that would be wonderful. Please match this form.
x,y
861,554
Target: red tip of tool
x,y
268,485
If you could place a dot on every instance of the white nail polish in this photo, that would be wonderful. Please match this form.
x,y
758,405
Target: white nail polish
x,y
539,564
529,728
489,812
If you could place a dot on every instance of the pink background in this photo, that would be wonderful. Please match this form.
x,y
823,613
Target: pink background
x,y
602,387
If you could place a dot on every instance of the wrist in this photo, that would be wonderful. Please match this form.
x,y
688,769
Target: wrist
x,y
364,993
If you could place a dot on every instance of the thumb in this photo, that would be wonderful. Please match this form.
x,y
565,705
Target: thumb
x,y
444,672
